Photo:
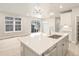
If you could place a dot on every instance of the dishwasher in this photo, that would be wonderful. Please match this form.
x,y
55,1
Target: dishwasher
x,y
50,52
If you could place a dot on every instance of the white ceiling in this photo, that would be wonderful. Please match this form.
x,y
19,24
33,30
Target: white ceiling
x,y
24,8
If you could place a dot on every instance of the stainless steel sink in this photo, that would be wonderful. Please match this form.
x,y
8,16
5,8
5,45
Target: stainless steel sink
x,y
55,36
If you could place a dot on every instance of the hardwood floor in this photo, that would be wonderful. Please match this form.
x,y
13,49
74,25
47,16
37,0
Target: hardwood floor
x,y
73,49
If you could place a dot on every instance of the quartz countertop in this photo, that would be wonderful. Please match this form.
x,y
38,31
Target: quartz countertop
x,y
40,42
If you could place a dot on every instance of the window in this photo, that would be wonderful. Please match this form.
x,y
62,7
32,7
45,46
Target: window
x,y
35,26
9,23
12,24
17,24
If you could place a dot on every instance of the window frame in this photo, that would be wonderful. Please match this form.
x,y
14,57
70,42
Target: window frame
x,y
12,24
6,24
19,24
40,24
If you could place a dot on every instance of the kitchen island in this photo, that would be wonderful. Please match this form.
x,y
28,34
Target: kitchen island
x,y
40,44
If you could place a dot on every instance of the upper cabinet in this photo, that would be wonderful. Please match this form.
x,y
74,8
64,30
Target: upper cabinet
x,y
65,22
66,19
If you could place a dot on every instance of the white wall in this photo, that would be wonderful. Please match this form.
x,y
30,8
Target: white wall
x,y
11,46
51,22
25,26
45,27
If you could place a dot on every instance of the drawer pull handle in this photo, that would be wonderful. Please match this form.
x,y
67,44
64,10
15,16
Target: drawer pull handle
x,y
63,44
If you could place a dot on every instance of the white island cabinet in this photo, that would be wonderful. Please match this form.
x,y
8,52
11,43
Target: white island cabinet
x,y
43,45
62,46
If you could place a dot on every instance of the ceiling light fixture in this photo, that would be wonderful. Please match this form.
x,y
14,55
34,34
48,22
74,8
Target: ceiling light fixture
x,y
51,13
60,6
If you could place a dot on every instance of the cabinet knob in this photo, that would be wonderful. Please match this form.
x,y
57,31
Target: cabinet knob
x,y
63,44
42,54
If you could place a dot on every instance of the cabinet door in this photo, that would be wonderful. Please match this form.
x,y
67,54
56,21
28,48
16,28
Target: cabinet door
x,y
64,49
60,48
65,45
65,19
53,52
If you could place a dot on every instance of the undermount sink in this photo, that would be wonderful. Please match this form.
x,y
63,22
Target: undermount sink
x,y
55,36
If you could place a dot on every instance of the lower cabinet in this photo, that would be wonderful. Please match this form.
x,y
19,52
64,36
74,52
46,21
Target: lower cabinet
x,y
59,49
26,51
62,47
65,46
51,51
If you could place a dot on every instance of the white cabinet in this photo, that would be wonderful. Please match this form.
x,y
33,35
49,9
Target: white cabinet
x,y
51,51
65,45
62,47
58,49
66,24
26,51
65,19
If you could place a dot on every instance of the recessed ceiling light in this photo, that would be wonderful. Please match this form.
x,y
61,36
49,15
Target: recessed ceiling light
x,y
60,6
